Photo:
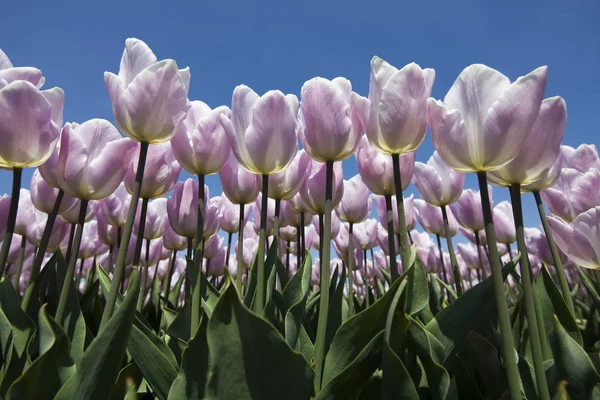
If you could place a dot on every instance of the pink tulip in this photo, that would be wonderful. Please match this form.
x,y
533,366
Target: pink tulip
x,y
9,73
409,212
256,214
377,170
579,240
365,234
395,116
149,98
239,185
312,191
172,240
467,209
262,130
216,266
160,173
573,193
430,218
335,225
116,206
582,158
470,235
44,196
31,122
328,122
155,254
211,217
156,219
537,245
438,184
90,243
25,213
212,246
355,206
91,159
200,143
36,227
383,239
106,233
504,223
470,256
289,215
285,184
72,215
484,119
541,148
182,207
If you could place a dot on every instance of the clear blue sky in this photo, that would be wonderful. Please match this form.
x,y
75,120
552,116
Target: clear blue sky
x,y
281,44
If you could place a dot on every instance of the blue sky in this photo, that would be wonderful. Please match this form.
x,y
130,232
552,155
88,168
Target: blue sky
x,y
280,44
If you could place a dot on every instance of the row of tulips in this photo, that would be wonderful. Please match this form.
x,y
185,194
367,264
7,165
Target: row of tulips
x,y
107,217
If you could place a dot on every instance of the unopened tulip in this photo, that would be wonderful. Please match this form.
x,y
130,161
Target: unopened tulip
x,y
160,173
573,193
156,219
312,191
91,159
256,214
328,122
377,170
537,244
484,119
285,184
288,233
182,207
409,212
355,206
262,130
90,243
155,254
106,233
541,148
212,246
467,209
172,240
31,122
216,266
211,217
249,251
383,239
239,185
149,97
36,227
438,184
72,215
470,256
431,220
504,223
289,215
200,142
229,215
579,239
43,196
395,116
116,206
365,234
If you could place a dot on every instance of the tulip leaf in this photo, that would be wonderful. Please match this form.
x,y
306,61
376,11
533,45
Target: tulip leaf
x,y
418,291
295,295
448,288
175,292
475,311
354,335
386,276
485,359
552,303
45,376
253,275
573,365
349,383
98,369
336,311
129,375
590,287
191,379
181,325
35,294
244,349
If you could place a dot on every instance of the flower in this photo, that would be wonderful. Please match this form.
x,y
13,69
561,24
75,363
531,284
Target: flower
x,y
438,184
579,239
355,206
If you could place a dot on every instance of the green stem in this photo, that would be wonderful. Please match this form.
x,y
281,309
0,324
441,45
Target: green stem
x,y
259,301
198,256
276,231
229,237
350,270
453,261
441,251
39,258
240,252
303,247
64,294
480,256
560,269
391,243
142,296
508,347
140,236
169,276
126,236
530,314
404,248
21,259
12,218
320,350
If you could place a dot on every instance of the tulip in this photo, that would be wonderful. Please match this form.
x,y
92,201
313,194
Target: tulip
x,y
504,224
430,218
335,225
257,215
215,267
366,234
239,185
44,196
537,244
71,216
383,239
540,149
162,171
355,205
156,219
312,191
200,143
578,240
35,231
211,221
115,207
467,210
182,207
437,183
573,193
582,158
25,217
172,240
9,73
409,210
106,233
285,184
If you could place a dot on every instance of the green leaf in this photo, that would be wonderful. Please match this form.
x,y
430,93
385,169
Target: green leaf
x,y
485,359
336,312
295,295
349,383
589,285
400,384
245,351
176,291
552,303
45,376
573,364
98,368
418,290
192,377
354,335
475,311
448,288
252,275
129,375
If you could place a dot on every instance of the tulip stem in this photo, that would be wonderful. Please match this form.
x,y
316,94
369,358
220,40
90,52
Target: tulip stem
x,y
528,296
144,282
276,230
121,256
70,244
259,301
453,261
391,242
140,236
350,270
560,269
12,218
480,256
402,232
229,238
508,347
240,252
302,242
39,258
21,259
64,294
442,262
324,278
169,276
198,257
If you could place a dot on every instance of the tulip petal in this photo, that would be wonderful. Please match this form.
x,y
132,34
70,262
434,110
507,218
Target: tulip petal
x,y
4,61
29,74
137,56
106,172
